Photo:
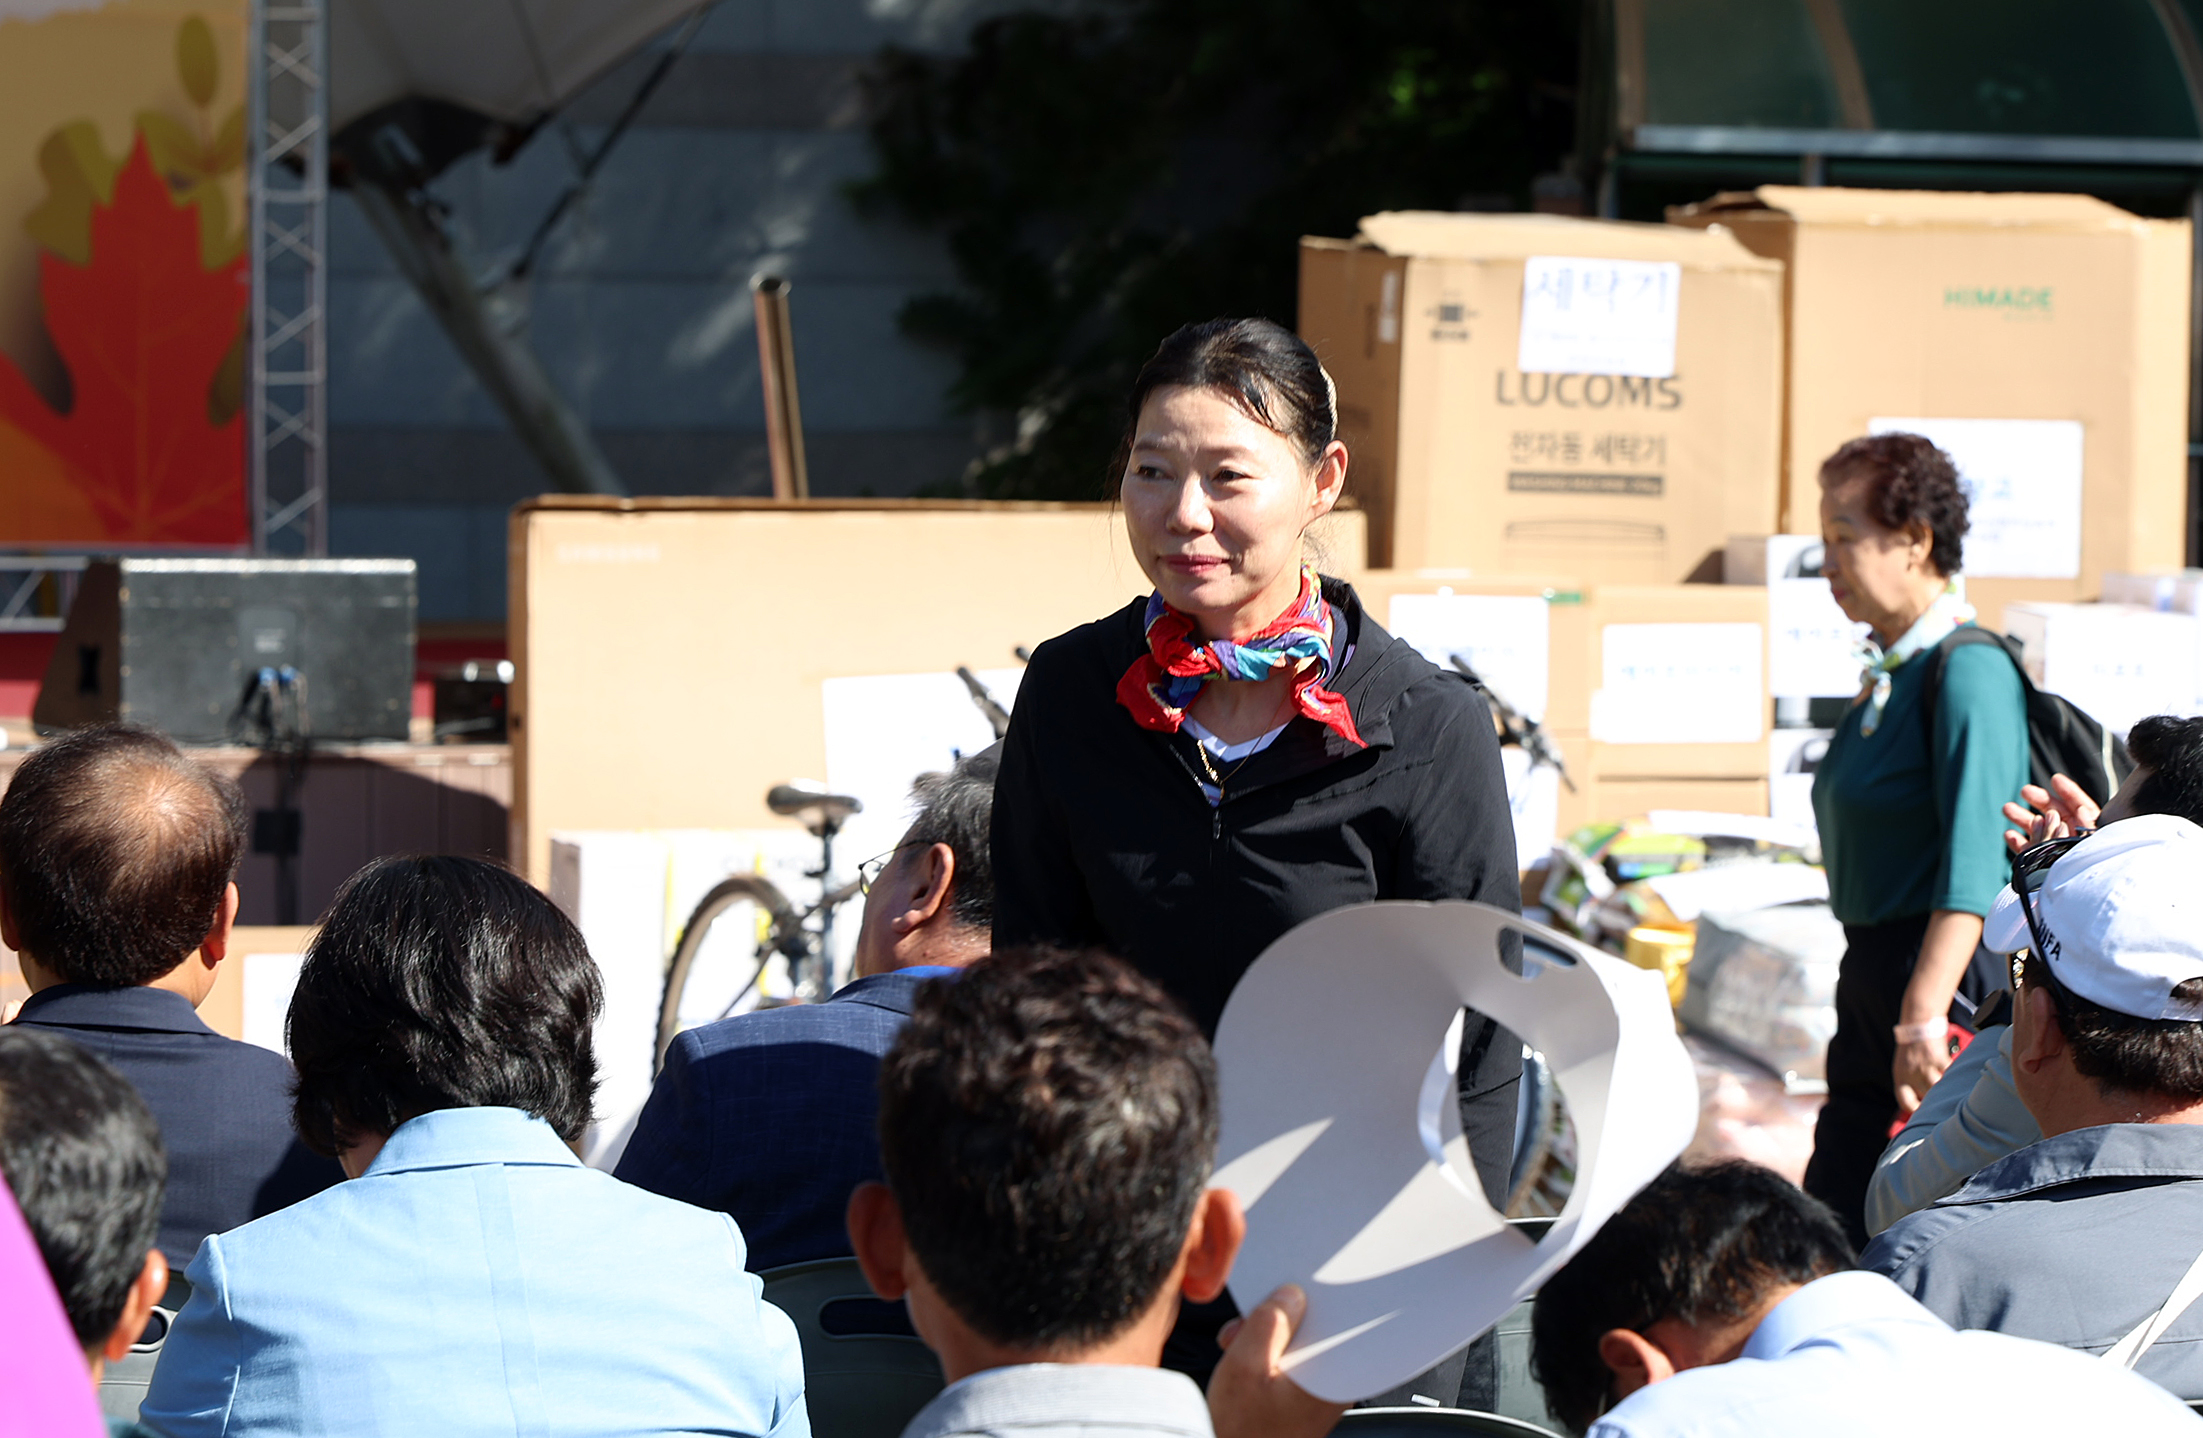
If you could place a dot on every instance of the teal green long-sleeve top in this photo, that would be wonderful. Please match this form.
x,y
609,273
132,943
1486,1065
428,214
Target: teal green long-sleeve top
x,y
1912,821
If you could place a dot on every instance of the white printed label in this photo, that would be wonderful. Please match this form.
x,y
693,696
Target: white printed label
x,y
1587,316
2023,487
1679,684
1503,637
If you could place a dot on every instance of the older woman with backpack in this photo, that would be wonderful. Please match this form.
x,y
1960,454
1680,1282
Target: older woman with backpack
x,y
1909,797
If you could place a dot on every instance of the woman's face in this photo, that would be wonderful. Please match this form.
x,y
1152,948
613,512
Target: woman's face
x,y
1880,577
1215,503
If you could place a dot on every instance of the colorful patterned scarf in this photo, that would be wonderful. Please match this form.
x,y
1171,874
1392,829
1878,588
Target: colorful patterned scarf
x,y
1162,683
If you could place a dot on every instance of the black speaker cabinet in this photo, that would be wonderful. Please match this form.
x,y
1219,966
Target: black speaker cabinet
x,y
173,644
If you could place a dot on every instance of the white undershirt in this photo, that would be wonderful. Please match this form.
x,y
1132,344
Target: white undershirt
x,y
1225,754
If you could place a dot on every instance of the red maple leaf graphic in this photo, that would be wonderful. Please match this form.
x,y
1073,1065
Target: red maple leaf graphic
x,y
142,329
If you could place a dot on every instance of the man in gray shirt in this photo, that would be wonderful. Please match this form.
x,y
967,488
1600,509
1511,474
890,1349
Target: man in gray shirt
x,y
1973,1116
1048,1123
2091,1237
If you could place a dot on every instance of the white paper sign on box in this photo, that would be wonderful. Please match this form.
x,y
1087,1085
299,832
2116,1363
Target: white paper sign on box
x,y
2118,663
1679,684
1506,638
629,893
1342,1134
1592,316
269,981
2023,485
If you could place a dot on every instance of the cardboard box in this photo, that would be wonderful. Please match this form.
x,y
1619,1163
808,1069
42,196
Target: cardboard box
x,y
2117,662
2171,590
1631,456
1714,724
1511,630
1608,799
1936,310
1674,679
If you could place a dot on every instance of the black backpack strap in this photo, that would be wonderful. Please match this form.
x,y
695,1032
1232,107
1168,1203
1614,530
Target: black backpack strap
x,y
1939,658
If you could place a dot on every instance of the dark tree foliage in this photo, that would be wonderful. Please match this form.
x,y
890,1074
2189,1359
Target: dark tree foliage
x,y
1105,174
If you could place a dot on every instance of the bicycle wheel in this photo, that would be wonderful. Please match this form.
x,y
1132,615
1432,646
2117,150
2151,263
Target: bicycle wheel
x,y
739,889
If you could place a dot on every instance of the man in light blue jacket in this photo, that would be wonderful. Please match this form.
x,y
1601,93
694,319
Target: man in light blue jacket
x,y
471,1277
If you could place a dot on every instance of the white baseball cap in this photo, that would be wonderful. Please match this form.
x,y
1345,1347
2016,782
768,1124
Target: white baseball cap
x,y
2123,915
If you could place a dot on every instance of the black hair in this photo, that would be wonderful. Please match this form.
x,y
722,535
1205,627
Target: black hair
x,y
2126,1053
82,1154
956,808
1696,1244
2171,749
439,982
1047,1126
1908,481
1268,371
115,851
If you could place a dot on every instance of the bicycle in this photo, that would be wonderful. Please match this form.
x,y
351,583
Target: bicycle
x,y
789,932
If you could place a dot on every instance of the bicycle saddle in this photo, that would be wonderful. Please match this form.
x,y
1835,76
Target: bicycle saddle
x,y
812,803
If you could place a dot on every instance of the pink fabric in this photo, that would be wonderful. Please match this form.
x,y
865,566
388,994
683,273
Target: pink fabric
x,y
45,1391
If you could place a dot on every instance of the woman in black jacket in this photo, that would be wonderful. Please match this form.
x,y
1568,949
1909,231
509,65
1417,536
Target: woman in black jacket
x,y
1190,777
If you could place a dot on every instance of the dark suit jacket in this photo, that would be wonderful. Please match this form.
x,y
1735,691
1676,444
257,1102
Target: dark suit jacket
x,y
224,1107
773,1117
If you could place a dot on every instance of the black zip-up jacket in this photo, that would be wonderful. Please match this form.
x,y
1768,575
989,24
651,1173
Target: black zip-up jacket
x,y
1103,836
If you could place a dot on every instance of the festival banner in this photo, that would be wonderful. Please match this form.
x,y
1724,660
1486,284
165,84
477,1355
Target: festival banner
x,y
124,281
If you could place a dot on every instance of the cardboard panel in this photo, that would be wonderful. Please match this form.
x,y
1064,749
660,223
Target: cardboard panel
x,y
1927,304
671,652
1568,695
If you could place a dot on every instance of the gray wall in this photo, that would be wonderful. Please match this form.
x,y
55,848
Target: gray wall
x,y
641,306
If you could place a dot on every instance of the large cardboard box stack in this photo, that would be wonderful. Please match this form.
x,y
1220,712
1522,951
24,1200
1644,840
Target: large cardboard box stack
x,y
2042,339
1531,394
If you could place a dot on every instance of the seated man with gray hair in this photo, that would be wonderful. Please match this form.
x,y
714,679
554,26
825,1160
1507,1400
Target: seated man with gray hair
x,y
771,1116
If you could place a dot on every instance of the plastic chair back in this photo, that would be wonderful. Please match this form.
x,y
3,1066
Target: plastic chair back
x,y
865,1374
123,1382
1431,1422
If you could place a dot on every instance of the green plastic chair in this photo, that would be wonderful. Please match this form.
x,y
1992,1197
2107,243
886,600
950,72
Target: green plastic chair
x,y
1430,1422
857,1384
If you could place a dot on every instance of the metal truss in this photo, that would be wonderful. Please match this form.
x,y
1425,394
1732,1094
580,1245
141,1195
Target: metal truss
x,y
287,436
36,591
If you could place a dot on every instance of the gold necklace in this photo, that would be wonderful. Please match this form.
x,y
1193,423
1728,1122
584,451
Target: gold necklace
x,y
1208,765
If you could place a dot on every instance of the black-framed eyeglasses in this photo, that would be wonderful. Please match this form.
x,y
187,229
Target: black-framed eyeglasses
x,y
2030,868
868,872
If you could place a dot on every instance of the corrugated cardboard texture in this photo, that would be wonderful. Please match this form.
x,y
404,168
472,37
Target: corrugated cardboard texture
x,y
1880,324
1350,296
1577,623
671,652
1464,461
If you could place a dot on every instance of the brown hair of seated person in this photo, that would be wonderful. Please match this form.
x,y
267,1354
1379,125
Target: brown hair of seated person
x,y
437,982
1047,1126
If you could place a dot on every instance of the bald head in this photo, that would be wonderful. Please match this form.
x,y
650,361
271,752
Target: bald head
x,y
115,852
